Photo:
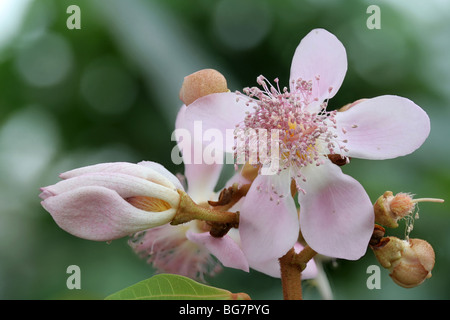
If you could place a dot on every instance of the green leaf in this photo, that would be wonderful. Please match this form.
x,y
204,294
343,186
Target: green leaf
x,y
174,287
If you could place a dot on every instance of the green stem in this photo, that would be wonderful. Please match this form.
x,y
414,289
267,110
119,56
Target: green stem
x,y
188,210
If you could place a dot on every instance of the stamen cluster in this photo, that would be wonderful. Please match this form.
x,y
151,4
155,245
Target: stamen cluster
x,y
301,123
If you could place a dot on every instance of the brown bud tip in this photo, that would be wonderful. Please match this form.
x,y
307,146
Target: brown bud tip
x,y
202,83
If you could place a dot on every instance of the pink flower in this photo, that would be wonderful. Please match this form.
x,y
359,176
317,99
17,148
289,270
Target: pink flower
x,y
336,217
201,179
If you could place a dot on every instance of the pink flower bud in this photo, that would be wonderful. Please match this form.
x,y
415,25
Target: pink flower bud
x,y
202,83
112,200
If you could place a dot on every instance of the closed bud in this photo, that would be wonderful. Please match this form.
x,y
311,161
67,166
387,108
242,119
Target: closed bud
x,y
409,262
108,201
202,83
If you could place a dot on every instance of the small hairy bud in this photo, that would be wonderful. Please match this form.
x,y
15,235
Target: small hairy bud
x,y
409,262
202,83
401,205
389,209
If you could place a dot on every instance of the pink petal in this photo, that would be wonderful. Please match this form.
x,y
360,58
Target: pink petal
x,y
124,185
163,171
201,177
238,179
97,213
268,228
225,249
336,214
201,180
132,169
271,267
382,128
321,54
219,113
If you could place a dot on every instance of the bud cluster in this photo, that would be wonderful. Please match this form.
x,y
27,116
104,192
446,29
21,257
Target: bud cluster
x,y
409,261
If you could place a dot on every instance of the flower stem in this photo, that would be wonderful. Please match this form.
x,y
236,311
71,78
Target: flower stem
x,y
230,196
291,277
428,200
292,265
188,210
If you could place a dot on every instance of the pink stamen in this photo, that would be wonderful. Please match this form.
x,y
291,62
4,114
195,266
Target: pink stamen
x,y
305,135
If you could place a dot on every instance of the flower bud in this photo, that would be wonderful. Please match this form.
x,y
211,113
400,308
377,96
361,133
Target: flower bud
x,y
202,83
409,262
107,201
389,209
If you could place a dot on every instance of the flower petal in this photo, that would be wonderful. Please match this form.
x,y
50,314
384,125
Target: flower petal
x,y
217,115
268,228
97,213
321,54
336,214
201,177
132,169
125,185
384,127
225,249
164,172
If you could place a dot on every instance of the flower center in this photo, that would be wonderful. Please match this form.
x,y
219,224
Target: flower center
x,y
301,131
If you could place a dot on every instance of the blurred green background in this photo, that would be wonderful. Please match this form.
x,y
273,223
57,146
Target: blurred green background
x,y
109,92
